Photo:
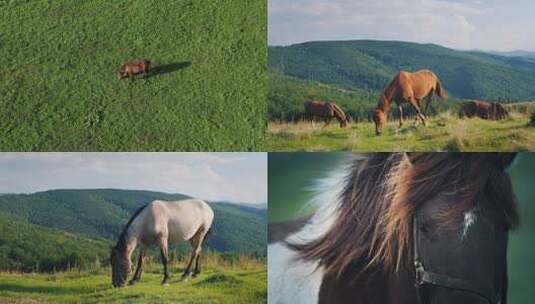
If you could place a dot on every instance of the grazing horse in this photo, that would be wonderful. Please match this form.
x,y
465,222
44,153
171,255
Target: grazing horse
x,y
403,228
130,69
410,88
161,223
483,110
326,111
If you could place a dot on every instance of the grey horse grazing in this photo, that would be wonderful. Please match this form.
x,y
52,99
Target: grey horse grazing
x,y
161,223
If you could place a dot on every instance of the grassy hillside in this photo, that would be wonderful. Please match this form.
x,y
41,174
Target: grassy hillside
x,y
245,282
445,132
59,86
27,247
60,219
370,65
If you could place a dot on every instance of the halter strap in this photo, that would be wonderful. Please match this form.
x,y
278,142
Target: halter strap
x,y
427,277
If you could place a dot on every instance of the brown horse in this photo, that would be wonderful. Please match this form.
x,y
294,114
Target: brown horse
x,y
483,110
326,111
410,88
405,228
130,69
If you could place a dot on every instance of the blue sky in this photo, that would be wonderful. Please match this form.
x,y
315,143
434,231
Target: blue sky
x,y
461,24
239,177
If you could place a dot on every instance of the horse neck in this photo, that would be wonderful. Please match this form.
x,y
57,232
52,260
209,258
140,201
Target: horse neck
x,y
338,114
128,241
384,103
385,100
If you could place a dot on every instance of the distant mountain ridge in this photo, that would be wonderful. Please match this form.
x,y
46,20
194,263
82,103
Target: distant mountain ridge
x,y
515,53
97,216
370,64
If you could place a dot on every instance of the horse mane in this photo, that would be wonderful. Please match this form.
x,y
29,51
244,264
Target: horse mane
x,y
373,225
121,243
385,99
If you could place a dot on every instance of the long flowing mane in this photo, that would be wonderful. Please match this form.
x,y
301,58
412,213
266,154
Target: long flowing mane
x,y
121,243
382,193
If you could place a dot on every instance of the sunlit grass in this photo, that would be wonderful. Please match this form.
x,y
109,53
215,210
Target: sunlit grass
x,y
244,281
444,132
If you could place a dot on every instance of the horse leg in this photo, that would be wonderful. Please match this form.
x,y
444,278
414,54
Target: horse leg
x,y
198,259
328,121
196,250
193,242
139,270
400,112
197,265
428,100
165,259
414,102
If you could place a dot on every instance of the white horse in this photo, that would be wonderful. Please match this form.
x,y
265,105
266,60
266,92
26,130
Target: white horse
x,y
161,223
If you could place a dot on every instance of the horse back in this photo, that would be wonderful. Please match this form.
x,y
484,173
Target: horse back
x,y
419,84
178,220
313,107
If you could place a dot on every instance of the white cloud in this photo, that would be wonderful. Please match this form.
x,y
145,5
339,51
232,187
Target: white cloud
x,y
238,177
456,24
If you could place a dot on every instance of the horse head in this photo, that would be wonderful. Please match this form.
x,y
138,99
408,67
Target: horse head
x,y
379,118
431,209
120,266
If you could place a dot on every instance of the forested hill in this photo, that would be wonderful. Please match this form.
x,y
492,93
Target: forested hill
x,y
370,65
94,219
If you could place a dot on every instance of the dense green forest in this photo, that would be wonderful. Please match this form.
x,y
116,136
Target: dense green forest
x,y
352,73
60,229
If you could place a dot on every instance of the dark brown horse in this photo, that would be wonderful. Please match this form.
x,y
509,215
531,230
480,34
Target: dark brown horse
x,y
326,111
407,229
130,69
407,88
483,110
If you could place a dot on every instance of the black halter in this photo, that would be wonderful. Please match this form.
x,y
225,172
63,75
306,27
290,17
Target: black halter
x,y
424,277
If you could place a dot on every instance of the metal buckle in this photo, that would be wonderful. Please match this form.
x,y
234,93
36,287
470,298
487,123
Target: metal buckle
x,y
419,270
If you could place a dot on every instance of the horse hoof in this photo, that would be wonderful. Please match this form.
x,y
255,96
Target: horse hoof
x,y
132,283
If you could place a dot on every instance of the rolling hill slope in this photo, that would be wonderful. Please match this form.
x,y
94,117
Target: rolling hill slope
x,y
94,219
29,247
370,65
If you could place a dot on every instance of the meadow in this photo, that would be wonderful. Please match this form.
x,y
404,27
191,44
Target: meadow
x,y
243,281
60,91
444,132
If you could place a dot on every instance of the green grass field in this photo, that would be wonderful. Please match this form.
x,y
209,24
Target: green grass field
x,y
58,75
217,284
445,132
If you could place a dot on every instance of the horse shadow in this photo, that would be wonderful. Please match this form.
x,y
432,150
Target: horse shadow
x,y
168,68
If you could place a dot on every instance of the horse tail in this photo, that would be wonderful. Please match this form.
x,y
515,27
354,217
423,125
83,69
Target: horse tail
x,y
440,91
